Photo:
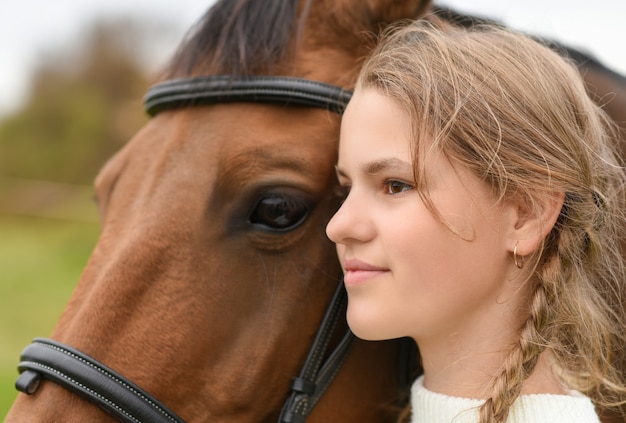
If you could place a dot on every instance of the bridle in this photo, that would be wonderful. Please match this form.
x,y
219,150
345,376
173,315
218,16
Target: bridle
x,y
256,89
85,376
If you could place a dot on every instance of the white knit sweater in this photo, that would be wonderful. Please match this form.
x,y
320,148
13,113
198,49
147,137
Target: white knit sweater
x,y
431,407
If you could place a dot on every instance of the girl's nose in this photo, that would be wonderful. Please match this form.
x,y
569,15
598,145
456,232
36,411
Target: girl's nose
x,y
350,223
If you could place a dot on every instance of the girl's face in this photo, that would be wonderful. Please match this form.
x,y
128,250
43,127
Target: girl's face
x,y
406,272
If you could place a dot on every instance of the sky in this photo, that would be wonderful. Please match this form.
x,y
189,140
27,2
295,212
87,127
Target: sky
x,y
29,28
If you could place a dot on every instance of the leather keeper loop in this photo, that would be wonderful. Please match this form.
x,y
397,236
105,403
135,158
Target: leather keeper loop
x,y
302,385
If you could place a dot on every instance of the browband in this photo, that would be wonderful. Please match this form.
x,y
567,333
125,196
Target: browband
x,y
203,90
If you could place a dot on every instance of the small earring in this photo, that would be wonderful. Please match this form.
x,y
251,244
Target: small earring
x,y
518,260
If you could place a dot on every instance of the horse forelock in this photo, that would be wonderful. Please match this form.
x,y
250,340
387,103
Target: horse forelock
x,y
237,37
251,37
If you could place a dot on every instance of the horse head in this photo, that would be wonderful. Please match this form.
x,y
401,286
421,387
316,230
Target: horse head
x,y
213,271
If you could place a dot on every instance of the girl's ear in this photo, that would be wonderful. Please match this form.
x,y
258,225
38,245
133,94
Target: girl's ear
x,y
533,220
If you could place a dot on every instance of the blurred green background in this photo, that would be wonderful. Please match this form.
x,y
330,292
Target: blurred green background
x,y
84,104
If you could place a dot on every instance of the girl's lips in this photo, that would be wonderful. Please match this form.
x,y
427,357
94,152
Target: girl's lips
x,y
357,272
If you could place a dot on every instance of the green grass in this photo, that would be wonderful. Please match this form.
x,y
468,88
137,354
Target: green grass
x,y
40,263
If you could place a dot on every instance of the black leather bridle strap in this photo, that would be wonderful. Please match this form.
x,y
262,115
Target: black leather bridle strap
x,y
90,379
317,375
225,88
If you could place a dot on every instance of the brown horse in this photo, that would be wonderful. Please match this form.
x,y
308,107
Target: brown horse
x,y
212,271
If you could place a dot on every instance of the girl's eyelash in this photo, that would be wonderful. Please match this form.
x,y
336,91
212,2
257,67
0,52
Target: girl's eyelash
x,y
394,186
389,186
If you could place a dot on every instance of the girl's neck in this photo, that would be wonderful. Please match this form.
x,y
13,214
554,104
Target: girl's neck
x,y
454,368
469,374
462,358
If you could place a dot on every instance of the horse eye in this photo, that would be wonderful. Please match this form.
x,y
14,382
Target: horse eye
x,y
278,212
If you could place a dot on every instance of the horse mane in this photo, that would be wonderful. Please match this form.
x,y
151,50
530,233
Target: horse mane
x,y
236,37
462,19
580,58
583,59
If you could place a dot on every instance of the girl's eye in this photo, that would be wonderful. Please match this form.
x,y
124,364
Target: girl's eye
x,y
397,187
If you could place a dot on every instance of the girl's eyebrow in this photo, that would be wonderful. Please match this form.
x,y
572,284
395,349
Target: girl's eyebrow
x,y
375,167
393,164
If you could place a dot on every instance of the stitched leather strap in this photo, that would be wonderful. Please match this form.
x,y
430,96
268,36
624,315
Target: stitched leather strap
x,y
224,88
85,376
316,375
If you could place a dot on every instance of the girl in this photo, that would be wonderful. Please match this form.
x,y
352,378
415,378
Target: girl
x,y
483,219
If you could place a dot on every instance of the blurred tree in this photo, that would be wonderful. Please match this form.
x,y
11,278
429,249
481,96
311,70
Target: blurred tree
x,y
85,103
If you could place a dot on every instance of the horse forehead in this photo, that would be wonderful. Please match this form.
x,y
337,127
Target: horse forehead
x,y
208,135
233,133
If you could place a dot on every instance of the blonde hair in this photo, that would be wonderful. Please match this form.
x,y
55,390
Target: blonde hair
x,y
518,116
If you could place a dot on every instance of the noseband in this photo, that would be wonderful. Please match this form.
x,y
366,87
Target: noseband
x,y
85,376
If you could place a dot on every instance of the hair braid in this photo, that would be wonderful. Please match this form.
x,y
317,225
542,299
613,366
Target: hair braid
x,y
522,359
